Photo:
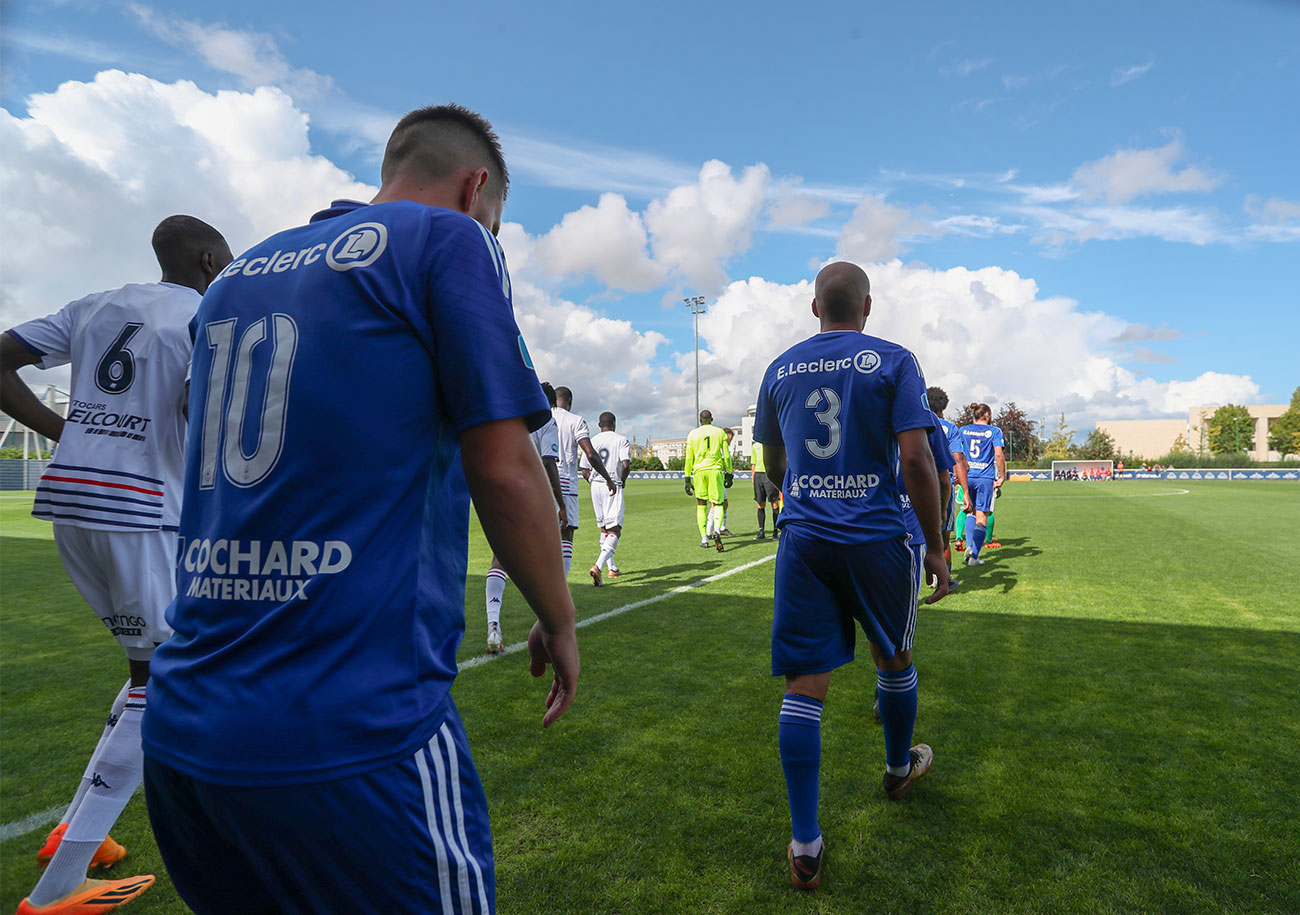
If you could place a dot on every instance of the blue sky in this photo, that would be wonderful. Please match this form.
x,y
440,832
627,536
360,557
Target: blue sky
x,y
1132,160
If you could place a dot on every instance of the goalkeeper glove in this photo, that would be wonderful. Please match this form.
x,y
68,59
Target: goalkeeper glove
x,y
727,480
690,487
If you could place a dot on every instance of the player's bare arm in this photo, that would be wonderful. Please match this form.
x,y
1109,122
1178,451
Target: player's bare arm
x,y
774,458
1002,467
16,399
597,464
624,468
922,483
507,484
552,467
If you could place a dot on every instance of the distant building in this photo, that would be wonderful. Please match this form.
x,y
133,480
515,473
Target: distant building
x,y
667,448
14,434
1151,438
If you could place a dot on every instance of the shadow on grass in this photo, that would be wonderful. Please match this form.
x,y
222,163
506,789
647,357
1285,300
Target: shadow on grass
x,y
995,573
1081,766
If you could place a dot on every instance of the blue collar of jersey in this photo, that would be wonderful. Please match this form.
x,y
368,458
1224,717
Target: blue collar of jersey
x,y
338,208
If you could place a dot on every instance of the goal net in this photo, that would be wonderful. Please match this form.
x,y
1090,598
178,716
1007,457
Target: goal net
x,y
1083,470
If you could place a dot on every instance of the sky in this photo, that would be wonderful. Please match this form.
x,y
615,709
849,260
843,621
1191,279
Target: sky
x,y
1085,209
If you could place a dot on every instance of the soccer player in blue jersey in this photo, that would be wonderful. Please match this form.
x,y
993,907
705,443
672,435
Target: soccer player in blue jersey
x,y
938,399
837,414
988,469
303,753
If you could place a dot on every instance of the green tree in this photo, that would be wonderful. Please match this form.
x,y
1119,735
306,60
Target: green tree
x,y
966,416
653,463
1099,446
1284,433
1180,445
1058,445
1018,430
676,463
1232,430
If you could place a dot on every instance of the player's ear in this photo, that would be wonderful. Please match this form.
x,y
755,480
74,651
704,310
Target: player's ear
x,y
867,308
816,314
474,185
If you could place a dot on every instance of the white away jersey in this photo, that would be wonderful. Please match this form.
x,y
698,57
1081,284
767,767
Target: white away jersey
x,y
613,448
547,440
572,429
121,462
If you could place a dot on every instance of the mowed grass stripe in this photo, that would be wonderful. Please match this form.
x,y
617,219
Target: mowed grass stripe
x,y
1111,701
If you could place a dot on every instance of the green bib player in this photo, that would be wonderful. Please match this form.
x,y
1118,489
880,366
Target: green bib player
x,y
708,476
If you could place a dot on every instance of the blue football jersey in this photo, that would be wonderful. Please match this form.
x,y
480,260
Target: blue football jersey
x,y
943,463
321,582
980,440
837,402
956,445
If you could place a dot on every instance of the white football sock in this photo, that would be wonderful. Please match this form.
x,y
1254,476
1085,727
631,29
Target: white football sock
x,y
611,548
86,777
808,848
606,550
566,553
708,528
724,517
118,770
494,589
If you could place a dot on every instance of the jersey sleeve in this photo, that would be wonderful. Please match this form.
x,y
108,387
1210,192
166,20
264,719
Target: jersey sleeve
x,y
481,359
583,463
548,440
998,441
942,454
689,462
580,430
956,441
726,454
624,450
50,337
767,430
910,409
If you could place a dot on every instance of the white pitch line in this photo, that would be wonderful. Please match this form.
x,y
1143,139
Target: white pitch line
x,y
31,821
478,660
45,817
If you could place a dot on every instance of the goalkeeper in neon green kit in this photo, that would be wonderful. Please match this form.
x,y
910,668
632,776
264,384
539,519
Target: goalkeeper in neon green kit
x,y
708,476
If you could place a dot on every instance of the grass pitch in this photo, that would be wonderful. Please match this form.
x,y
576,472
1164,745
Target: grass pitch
x,y
1112,701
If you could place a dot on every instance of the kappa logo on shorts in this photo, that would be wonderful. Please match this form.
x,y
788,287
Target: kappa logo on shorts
x,y
867,361
359,246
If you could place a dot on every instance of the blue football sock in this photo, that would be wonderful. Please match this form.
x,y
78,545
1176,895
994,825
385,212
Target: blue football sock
x,y
800,736
970,532
978,542
897,695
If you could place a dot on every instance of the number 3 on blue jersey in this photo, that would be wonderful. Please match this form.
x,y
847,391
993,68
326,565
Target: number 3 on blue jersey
x,y
828,418
242,469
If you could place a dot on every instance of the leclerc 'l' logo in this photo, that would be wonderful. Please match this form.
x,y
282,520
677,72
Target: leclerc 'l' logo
x,y
359,246
867,361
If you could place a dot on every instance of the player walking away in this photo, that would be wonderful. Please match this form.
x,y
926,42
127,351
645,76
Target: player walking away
x,y
613,449
837,414
955,446
301,719
731,434
765,492
547,442
113,493
988,469
574,438
708,477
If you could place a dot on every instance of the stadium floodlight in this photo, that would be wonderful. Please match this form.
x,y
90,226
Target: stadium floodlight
x,y
697,306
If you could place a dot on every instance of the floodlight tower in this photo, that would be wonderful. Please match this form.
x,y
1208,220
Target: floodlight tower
x,y
697,306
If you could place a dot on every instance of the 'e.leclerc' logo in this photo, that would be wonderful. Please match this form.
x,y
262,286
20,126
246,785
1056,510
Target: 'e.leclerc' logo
x,y
867,361
359,246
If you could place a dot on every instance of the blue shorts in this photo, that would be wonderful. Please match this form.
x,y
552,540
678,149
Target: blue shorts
x,y
823,588
411,837
950,510
981,492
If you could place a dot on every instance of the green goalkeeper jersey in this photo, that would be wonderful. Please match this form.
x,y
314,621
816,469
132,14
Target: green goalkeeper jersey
x,y
706,449
756,459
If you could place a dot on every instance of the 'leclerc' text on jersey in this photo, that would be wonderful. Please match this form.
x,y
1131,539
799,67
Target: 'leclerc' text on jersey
x,y
980,441
121,460
314,576
838,401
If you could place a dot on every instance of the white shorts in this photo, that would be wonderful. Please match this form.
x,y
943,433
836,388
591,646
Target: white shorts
x,y
608,508
570,492
127,577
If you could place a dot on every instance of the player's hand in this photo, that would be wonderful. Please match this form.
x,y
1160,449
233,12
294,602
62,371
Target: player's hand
x,y
613,487
560,650
968,506
564,518
727,480
690,487
936,570
997,484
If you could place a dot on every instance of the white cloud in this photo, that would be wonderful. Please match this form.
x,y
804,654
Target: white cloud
x,y
1134,333
1131,173
606,241
93,167
698,227
1276,219
975,226
1124,75
965,67
793,208
876,230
